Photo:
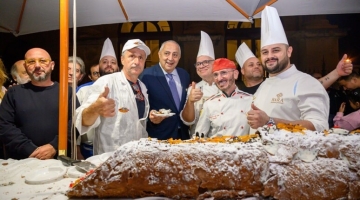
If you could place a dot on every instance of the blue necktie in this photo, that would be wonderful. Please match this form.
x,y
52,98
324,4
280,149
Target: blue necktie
x,y
174,91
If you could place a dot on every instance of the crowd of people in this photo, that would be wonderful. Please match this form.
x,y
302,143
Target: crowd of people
x,y
118,106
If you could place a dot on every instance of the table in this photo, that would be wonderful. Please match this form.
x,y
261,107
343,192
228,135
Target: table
x,y
13,185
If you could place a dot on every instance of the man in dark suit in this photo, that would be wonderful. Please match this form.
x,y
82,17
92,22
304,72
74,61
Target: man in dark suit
x,y
166,86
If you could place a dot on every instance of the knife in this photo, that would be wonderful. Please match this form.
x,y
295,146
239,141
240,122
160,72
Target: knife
x,y
84,166
67,161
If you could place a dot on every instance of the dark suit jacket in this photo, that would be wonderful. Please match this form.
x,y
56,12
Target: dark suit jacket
x,y
160,97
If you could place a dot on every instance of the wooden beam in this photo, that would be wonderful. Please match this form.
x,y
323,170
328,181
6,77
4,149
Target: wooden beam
x,y
63,81
20,17
5,28
238,8
123,10
262,7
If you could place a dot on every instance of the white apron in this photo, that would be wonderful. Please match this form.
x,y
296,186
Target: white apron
x,y
112,132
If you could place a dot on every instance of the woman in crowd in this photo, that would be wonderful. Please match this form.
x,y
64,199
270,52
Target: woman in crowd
x,y
352,120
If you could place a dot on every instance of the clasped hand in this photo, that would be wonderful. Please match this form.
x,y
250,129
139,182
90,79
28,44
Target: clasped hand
x,y
44,152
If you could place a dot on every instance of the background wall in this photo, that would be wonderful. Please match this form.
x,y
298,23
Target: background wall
x,y
318,41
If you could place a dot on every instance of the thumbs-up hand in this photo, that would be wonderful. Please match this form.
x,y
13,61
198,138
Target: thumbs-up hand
x,y
105,106
256,117
344,67
195,93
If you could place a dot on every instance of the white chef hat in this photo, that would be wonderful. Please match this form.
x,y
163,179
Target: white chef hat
x,y
108,49
272,31
243,53
138,44
206,47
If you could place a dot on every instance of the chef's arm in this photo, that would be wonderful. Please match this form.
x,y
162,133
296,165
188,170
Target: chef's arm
x,y
90,114
304,123
188,113
258,118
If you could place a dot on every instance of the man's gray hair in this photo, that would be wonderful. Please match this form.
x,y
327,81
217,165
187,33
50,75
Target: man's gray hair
x,y
80,62
13,70
163,44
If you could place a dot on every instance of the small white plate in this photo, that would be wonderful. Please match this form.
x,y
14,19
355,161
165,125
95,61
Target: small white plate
x,y
164,115
103,157
45,175
339,131
95,160
72,172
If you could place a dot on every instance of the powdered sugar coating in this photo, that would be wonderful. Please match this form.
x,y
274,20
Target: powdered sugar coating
x,y
284,165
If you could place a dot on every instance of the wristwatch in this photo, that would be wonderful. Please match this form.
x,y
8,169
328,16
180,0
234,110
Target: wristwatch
x,y
271,121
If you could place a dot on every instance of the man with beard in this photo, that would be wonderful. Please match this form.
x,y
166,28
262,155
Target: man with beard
x,y
251,69
108,63
224,114
29,114
288,95
198,93
166,84
117,106
18,72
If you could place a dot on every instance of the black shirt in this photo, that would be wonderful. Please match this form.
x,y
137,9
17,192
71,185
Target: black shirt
x,y
250,90
139,97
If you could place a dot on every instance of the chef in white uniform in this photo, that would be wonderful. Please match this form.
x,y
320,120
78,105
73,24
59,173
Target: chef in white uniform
x,y
288,95
198,93
107,60
251,69
224,114
118,104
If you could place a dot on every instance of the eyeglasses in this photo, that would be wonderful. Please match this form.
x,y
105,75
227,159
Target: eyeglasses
x,y
96,73
222,73
204,63
41,61
138,94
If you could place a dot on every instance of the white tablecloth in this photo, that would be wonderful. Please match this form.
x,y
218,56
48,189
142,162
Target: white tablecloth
x,y
13,185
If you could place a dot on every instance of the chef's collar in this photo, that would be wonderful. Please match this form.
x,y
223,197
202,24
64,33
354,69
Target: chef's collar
x,y
207,84
291,70
232,94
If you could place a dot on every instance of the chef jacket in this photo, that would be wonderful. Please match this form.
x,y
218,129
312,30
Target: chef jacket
x,y
225,116
208,91
293,95
125,126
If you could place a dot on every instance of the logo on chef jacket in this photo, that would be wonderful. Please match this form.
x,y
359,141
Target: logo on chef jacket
x,y
278,99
